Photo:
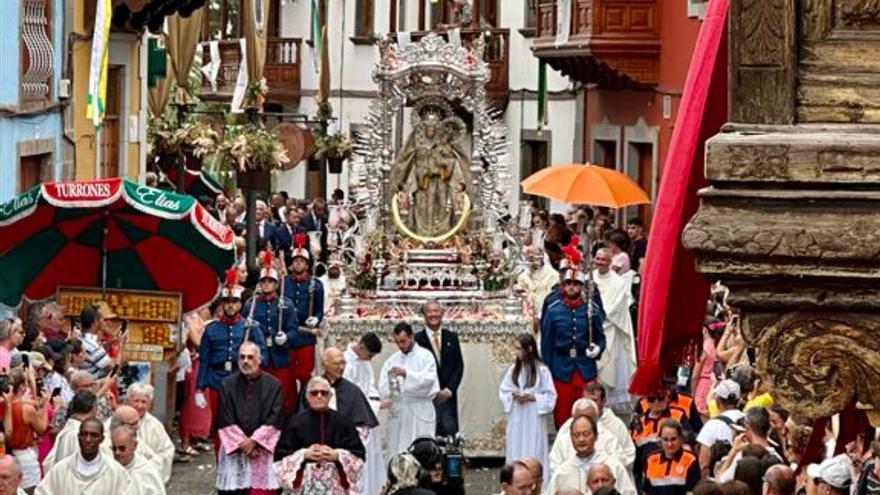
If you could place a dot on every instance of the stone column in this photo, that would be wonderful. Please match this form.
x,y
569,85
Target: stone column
x,y
791,222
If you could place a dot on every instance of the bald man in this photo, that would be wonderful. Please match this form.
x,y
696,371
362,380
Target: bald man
x,y
347,398
144,474
10,476
600,475
128,416
248,423
537,471
605,442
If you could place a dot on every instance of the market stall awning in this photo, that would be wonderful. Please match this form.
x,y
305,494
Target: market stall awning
x,y
110,233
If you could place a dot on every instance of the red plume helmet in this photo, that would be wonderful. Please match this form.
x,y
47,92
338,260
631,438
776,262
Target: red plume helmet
x,y
231,278
299,240
266,257
572,253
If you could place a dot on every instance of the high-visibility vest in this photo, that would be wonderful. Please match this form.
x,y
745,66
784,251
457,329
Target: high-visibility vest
x,y
682,401
663,472
647,431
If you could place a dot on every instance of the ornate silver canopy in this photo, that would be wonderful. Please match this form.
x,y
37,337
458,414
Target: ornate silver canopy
x,y
429,70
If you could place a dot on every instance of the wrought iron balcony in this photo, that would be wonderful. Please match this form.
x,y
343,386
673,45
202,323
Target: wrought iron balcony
x,y
496,54
612,43
282,70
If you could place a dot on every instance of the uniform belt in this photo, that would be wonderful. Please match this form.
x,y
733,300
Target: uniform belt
x,y
219,366
566,352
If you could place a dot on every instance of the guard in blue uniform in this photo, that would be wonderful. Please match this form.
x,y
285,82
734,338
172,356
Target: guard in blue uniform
x,y
307,295
277,321
218,350
569,346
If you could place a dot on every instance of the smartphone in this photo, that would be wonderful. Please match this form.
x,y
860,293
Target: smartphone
x,y
26,360
56,392
124,327
115,370
39,384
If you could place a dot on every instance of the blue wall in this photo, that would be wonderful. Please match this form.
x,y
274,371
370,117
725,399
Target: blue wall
x,y
21,128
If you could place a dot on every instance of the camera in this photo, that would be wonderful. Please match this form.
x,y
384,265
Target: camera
x,y
443,460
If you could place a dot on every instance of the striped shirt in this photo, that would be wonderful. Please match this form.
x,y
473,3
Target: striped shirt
x,y
97,362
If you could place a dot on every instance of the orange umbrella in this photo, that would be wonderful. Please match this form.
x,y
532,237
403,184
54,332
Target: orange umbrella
x,y
585,184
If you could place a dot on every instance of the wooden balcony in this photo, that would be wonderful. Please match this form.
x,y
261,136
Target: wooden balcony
x,y
496,54
282,71
611,43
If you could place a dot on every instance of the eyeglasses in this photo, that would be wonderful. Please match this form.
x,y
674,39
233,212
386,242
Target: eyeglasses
x,y
654,398
319,393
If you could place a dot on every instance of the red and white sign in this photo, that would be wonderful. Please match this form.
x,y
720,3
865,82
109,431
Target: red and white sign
x,y
82,191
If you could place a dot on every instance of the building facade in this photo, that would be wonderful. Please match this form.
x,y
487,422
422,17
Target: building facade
x,y
30,98
632,58
123,144
353,25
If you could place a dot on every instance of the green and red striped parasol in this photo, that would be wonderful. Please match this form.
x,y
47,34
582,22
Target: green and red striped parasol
x,y
110,233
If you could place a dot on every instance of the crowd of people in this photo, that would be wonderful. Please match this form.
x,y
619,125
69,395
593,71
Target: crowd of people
x,y
283,413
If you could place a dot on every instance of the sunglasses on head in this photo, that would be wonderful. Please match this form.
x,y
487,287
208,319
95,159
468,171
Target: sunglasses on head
x,y
319,393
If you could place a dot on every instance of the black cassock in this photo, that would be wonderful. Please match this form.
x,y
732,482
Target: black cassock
x,y
308,427
350,402
249,403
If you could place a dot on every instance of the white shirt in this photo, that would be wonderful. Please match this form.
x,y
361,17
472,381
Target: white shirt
x,y
716,430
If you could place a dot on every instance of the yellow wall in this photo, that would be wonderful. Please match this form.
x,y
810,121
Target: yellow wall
x,y
85,131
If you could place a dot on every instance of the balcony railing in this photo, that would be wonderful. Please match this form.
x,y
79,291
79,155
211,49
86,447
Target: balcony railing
x,y
496,54
609,42
282,70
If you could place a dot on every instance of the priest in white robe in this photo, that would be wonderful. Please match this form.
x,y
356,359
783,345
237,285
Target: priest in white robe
x,y
128,416
573,473
408,384
334,283
359,370
151,431
618,362
144,474
605,442
538,280
82,406
89,470
527,397
612,426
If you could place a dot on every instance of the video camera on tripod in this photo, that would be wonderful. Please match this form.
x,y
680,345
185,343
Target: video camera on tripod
x,y
443,460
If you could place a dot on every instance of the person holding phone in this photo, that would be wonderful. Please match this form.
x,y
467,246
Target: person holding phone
x,y
25,420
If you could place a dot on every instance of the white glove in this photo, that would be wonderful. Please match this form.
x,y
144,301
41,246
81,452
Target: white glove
x,y
280,338
593,351
312,321
201,402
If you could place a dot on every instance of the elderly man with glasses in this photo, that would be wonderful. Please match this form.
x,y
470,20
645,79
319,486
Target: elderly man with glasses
x,y
321,447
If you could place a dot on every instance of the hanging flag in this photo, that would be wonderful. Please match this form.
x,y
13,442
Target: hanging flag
x,y
95,100
542,94
323,52
317,33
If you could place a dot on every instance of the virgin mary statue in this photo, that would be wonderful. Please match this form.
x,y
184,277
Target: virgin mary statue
x,y
432,172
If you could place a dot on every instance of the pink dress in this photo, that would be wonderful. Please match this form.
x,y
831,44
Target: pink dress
x,y
704,380
195,422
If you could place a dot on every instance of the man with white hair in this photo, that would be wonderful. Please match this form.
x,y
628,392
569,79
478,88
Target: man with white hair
x,y
573,472
248,422
10,476
265,228
618,363
150,430
144,474
563,447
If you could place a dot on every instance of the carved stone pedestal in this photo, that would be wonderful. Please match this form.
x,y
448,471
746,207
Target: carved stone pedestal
x,y
791,222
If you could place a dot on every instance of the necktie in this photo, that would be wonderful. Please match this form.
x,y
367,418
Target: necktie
x,y
435,337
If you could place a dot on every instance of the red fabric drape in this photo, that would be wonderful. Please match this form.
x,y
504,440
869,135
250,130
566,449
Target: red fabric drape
x,y
673,293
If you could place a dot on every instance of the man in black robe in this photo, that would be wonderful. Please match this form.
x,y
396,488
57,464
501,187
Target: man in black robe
x,y
320,447
347,397
248,422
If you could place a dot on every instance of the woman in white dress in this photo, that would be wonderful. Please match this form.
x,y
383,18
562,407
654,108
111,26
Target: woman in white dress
x,y
527,397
